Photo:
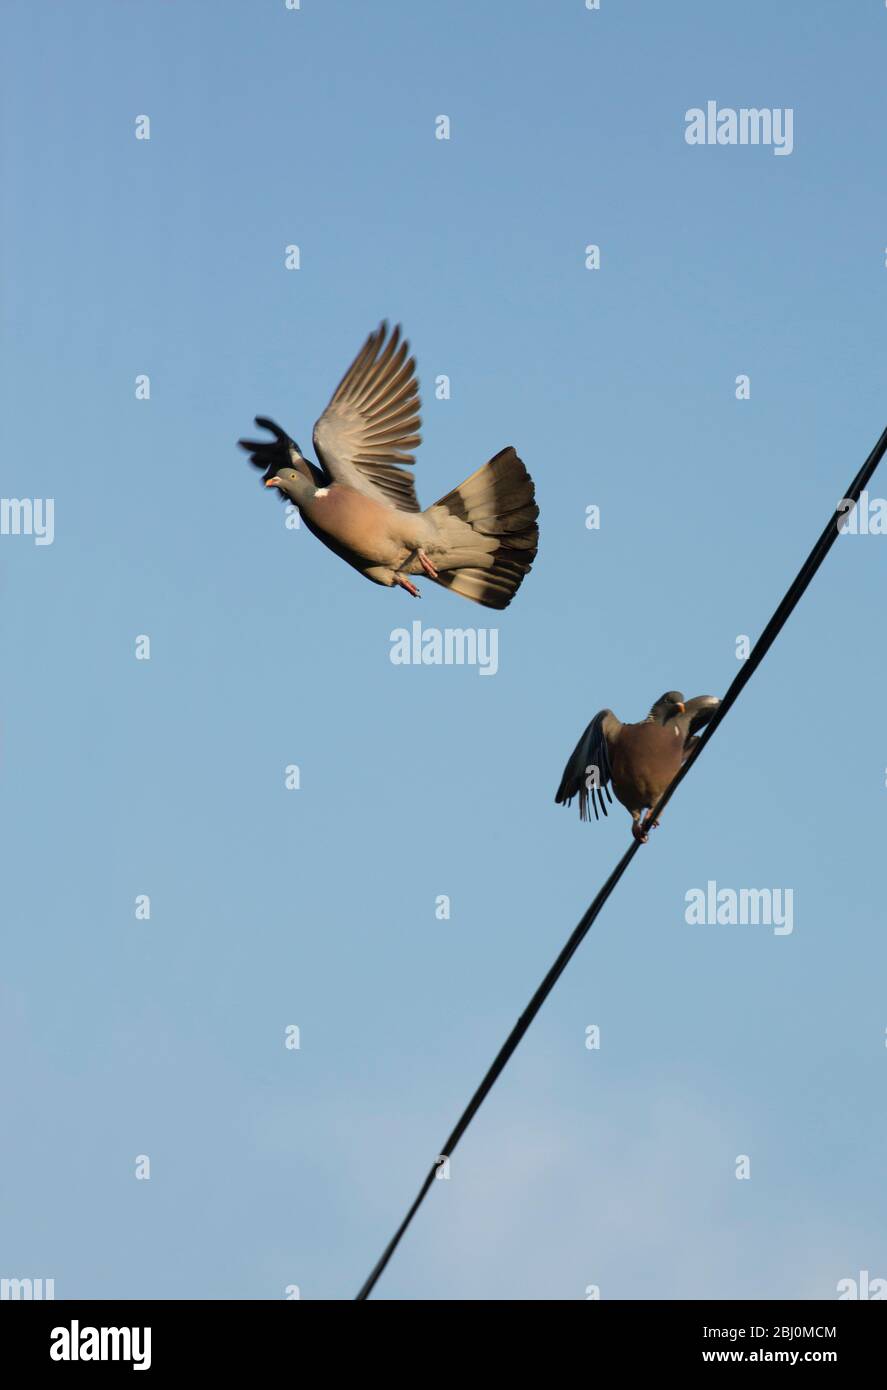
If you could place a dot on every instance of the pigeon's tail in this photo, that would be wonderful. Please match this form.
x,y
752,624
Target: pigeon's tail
x,y
489,533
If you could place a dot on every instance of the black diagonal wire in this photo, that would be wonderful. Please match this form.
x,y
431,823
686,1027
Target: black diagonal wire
x,y
756,656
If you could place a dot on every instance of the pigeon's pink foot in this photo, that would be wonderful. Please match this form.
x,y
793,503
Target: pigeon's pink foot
x,y
426,564
405,584
638,832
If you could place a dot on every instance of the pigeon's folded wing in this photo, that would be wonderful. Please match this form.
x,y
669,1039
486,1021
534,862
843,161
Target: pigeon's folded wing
x,y
697,713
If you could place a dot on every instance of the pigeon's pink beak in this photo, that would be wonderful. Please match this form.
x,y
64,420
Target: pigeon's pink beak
x,y
273,482
682,708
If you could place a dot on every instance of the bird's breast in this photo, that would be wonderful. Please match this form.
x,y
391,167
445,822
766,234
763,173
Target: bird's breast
x,y
644,760
354,520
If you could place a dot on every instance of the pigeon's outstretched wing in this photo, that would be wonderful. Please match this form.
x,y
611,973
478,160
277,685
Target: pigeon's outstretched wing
x,y
365,436
280,452
588,766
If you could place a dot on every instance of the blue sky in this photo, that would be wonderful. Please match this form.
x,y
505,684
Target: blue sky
x,y
316,907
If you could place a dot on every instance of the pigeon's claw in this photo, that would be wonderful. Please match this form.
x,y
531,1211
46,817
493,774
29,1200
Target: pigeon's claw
x,y
426,564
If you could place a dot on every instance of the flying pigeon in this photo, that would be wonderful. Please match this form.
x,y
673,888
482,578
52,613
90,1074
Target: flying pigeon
x,y
639,759
479,540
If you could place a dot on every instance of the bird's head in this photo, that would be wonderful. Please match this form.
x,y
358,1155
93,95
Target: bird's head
x,y
291,482
667,706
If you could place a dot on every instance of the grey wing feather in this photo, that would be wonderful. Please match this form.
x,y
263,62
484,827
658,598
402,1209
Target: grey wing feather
x,y
365,436
697,713
271,455
591,752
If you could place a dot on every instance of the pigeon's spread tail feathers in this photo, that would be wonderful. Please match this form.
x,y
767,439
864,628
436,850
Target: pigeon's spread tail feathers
x,y
489,533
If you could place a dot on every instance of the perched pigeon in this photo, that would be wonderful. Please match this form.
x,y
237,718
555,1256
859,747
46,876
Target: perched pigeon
x,y
480,540
639,759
